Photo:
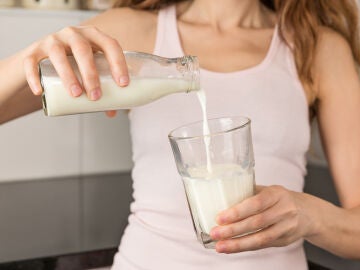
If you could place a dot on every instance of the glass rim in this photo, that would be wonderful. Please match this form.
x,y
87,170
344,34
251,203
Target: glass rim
x,y
178,138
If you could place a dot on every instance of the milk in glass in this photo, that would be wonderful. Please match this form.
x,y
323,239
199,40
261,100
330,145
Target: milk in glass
x,y
213,188
210,193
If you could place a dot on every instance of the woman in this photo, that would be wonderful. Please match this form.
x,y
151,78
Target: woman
x,y
272,61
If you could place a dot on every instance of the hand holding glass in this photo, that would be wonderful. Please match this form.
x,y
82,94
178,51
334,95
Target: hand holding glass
x,y
217,169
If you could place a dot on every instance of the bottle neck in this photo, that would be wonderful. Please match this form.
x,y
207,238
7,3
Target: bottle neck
x,y
189,67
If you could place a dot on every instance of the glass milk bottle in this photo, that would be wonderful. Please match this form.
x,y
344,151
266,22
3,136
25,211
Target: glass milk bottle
x,y
151,77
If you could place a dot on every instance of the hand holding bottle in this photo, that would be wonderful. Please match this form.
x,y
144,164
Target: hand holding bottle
x,y
67,61
81,42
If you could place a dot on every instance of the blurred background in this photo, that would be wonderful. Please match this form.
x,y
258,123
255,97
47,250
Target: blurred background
x,y
58,4
65,182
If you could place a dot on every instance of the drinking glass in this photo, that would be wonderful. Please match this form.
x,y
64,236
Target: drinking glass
x,y
217,169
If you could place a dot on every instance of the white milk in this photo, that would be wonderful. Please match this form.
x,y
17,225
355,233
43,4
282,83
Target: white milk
x,y
206,130
210,193
138,92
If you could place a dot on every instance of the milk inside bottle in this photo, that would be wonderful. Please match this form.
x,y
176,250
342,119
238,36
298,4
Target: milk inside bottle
x,y
151,77
139,92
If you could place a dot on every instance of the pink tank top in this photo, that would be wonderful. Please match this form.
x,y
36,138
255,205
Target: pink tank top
x,y
160,234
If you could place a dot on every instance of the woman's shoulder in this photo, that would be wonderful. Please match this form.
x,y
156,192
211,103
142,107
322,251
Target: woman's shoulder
x,y
330,40
333,57
134,29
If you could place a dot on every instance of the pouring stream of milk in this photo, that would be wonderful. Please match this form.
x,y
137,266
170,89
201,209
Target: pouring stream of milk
x,y
206,130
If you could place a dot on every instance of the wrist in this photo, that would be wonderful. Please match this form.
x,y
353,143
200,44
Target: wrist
x,y
323,219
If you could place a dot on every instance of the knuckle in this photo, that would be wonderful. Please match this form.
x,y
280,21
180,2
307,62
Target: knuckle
x,y
281,192
91,76
233,213
56,48
292,211
69,30
112,42
235,247
92,79
263,240
229,231
290,233
278,188
83,48
92,28
120,66
35,49
29,61
258,202
51,39
293,227
259,241
89,29
258,221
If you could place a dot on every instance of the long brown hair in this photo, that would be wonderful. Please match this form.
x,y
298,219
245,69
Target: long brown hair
x,y
303,17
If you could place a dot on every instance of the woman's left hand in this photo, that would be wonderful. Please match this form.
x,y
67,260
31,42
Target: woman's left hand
x,y
277,216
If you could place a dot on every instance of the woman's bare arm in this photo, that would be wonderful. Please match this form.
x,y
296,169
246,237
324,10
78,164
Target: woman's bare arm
x,y
133,30
286,216
339,120
13,86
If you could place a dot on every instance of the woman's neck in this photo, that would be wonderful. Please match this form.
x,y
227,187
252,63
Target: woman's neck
x,y
227,14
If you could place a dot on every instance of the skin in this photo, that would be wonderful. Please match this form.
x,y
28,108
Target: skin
x,y
283,215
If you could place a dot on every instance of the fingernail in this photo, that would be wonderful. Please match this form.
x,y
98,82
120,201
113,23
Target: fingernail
x,y
76,90
124,80
215,234
95,94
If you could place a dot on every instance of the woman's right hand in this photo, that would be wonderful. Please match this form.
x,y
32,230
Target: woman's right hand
x,y
81,42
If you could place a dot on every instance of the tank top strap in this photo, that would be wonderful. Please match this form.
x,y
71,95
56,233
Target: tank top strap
x,y
284,59
166,36
281,57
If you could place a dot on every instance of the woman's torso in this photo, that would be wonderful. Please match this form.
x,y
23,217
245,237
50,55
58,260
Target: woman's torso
x,y
160,233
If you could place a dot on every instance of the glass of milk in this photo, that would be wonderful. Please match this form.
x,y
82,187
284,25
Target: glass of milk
x,y
226,181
